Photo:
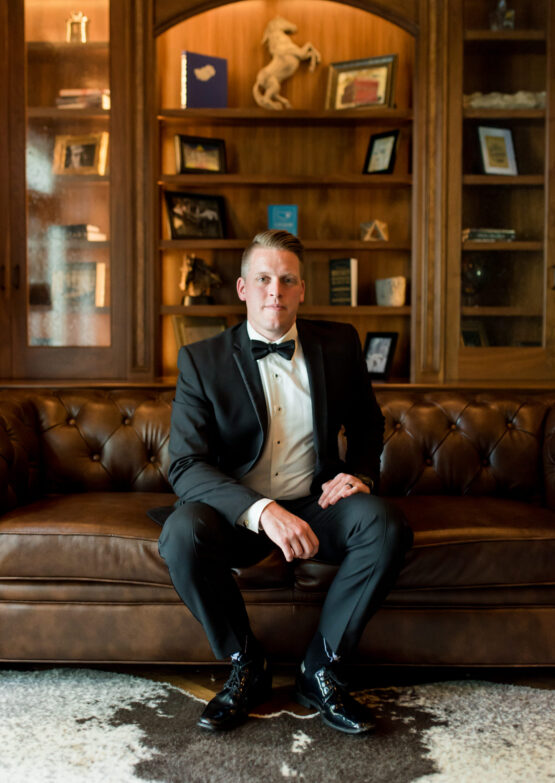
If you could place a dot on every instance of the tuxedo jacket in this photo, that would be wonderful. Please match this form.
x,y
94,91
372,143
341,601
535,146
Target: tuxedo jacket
x,y
219,417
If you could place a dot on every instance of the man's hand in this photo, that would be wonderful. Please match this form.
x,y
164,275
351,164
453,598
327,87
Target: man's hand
x,y
292,534
339,487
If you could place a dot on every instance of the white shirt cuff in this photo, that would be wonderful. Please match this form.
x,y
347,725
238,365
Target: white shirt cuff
x,y
251,517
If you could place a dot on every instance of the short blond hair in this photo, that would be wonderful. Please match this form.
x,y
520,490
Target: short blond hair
x,y
276,239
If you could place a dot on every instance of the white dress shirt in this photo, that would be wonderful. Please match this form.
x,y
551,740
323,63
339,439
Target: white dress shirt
x,y
286,466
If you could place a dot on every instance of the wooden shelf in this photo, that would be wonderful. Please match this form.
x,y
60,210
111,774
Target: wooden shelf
x,y
262,180
53,113
310,244
515,246
223,310
505,36
504,114
65,47
520,180
288,116
69,244
500,312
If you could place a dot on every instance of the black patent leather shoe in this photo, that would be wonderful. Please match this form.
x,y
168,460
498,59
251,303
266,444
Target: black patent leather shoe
x,y
330,697
249,684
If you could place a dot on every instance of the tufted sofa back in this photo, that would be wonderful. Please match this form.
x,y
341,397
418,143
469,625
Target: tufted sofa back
x,y
436,442
462,443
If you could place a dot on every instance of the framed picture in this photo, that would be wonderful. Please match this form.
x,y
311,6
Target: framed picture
x,y
193,215
192,328
498,154
379,349
81,154
355,83
199,155
473,334
382,149
79,286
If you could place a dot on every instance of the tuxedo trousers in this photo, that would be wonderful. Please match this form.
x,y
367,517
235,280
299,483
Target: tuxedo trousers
x,y
366,536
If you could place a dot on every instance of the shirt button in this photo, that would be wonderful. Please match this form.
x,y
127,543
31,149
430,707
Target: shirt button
x,y
278,442
276,474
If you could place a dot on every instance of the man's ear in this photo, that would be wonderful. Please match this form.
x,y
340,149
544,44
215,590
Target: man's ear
x,y
302,291
241,289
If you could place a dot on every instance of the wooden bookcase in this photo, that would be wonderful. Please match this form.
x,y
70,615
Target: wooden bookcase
x,y
307,156
499,297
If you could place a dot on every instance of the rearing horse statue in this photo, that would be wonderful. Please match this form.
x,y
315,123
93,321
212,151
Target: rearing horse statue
x,y
286,57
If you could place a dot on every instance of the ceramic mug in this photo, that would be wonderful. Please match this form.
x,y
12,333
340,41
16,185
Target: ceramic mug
x,y
391,291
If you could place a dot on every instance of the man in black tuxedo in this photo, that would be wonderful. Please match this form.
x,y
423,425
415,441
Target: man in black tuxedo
x,y
255,464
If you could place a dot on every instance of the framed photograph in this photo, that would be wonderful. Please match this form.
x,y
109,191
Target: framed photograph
x,y
498,154
356,83
199,155
81,154
379,349
473,334
194,215
382,149
79,286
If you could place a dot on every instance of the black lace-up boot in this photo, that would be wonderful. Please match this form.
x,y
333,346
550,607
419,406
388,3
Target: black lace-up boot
x,y
249,684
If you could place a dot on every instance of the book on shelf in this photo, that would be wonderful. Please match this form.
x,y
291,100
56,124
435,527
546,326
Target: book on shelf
x,y
488,235
203,81
284,217
343,281
83,98
86,231
192,328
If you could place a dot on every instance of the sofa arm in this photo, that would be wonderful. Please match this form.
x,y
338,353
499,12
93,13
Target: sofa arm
x,y
549,458
20,468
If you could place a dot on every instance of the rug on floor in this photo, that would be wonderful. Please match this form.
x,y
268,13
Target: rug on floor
x,y
87,726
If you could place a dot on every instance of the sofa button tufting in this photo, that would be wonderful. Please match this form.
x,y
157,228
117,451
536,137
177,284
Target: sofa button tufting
x,y
95,457
71,422
510,425
127,420
453,427
485,462
429,461
398,425
152,459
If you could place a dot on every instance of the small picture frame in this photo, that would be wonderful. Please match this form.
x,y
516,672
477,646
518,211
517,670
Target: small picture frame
x,y
498,154
79,286
84,154
473,334
195,215
379,349
192,328
358,83
199,155
382,150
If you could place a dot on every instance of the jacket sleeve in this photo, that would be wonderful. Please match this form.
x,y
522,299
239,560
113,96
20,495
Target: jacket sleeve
x,y
194,447
364,421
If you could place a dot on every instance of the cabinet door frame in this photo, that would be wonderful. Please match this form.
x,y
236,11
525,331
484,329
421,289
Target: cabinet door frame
x,y
75,362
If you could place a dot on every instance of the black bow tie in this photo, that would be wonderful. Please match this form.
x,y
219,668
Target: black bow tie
x,y
260,349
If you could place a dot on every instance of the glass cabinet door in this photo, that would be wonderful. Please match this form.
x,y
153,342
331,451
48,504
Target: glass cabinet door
x,y
68,174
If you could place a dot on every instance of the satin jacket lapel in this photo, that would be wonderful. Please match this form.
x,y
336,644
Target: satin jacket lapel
x,y
251,377
312,349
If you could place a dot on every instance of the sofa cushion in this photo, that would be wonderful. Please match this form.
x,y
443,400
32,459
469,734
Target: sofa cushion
x,y
97,536
465,542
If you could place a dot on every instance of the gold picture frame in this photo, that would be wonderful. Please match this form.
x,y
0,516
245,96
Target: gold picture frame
x,y
81,155
354,84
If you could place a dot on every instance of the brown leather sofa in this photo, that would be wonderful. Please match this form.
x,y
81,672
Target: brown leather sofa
x,y
81,579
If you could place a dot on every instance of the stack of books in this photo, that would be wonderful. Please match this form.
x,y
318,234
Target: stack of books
x,y
488,235
83,98
78,231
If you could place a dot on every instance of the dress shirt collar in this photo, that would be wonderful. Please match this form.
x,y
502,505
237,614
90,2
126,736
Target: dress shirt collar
x,y
292,334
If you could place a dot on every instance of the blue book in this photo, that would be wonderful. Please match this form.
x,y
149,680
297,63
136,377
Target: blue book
x,y
283,216
203,81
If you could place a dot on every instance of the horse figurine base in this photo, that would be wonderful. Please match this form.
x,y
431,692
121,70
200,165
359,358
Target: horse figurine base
x,y
286,57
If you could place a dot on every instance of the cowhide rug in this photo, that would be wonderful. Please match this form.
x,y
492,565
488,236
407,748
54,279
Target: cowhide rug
x,y
88,726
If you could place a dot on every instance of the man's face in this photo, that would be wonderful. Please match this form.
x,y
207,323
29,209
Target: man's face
x,y
273,291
